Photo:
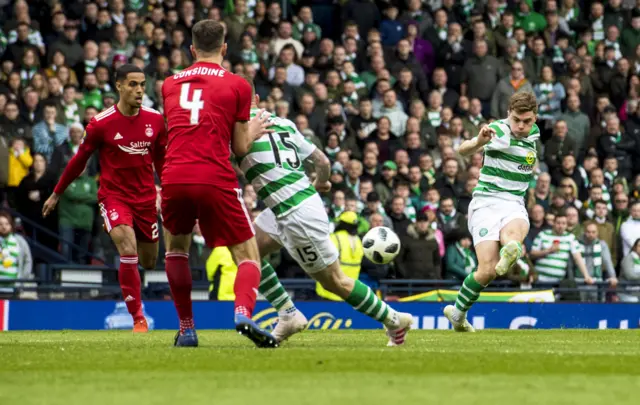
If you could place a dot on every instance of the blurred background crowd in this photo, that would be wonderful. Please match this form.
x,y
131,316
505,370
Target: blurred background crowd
x,y
388,89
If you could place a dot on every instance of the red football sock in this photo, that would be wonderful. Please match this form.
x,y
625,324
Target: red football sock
x,y
180,282
246,287
129,278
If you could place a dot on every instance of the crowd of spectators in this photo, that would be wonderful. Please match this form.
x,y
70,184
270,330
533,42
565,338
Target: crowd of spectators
x,y
388,89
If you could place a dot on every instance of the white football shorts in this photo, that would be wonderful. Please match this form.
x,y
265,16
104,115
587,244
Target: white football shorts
x,y
304,233
487,217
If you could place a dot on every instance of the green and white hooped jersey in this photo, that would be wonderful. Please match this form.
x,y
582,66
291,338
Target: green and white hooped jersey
x,y
508,164
274,166
554,267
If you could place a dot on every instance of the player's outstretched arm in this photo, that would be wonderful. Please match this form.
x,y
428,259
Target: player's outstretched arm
x,y
75,167
322,166
471,146
244,133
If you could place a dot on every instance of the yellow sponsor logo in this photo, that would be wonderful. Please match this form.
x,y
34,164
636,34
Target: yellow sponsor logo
x,y
268,319
531,158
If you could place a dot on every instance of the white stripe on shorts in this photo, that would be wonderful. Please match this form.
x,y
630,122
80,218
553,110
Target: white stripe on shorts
x,y
103,212
244,208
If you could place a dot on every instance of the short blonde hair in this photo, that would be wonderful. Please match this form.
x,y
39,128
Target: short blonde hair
x,y
523,102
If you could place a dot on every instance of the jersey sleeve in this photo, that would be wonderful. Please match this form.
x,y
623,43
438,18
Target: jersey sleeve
x,y
243,107
160,150
576,247
92,141
305,146
501,138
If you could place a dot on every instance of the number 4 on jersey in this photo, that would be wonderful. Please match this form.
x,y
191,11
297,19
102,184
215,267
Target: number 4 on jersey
x,y
195,104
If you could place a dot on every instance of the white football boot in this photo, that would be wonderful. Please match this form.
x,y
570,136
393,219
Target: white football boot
x,y
509,254
398,335
460,325
288,325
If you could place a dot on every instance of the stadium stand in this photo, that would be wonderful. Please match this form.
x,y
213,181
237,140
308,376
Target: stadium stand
x,y
388,89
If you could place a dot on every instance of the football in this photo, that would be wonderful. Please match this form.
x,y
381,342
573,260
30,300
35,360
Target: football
x,y
381,245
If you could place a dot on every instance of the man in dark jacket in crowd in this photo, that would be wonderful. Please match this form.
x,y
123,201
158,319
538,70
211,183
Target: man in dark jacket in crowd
x,y
399,219
419,256
614,142
450,221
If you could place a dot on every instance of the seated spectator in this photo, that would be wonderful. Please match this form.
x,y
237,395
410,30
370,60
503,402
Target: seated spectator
x,y
16,263
419,256
461,259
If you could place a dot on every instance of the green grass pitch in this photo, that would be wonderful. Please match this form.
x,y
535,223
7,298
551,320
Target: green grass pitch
x,y
322,367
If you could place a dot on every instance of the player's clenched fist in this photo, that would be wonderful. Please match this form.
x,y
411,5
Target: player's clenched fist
x,y
485,135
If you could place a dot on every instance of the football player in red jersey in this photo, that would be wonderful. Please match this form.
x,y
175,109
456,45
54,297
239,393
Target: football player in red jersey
x,y
207,110
131,140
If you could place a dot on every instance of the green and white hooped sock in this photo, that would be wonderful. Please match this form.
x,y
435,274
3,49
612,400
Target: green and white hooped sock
x,y
271,288
365,301
468,294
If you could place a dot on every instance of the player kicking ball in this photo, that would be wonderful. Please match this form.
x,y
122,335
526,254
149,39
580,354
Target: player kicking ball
x,y
207,111
497,213
295,219
130,139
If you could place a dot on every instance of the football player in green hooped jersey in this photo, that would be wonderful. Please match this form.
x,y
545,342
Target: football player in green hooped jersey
x,y
296,219
498,219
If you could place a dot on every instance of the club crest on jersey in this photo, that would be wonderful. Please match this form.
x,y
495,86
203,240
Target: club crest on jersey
x,y
148,131
113,215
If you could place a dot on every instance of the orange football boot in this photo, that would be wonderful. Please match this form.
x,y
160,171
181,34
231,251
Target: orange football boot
x,y
140,326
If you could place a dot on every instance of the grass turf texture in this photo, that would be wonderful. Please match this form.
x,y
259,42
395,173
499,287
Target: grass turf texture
x,y
322,367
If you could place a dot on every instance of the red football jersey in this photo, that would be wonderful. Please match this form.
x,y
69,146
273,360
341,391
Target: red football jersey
x,y
128,148
202,104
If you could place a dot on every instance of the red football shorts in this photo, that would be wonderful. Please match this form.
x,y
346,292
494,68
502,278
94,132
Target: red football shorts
x,y
221,213
142,218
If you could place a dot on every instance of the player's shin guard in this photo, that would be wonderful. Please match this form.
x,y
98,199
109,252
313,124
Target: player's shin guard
x,y
272,290
246,287
468,294
129,279
365,301
180,282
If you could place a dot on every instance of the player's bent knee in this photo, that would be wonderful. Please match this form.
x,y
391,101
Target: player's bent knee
x,y
487,270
